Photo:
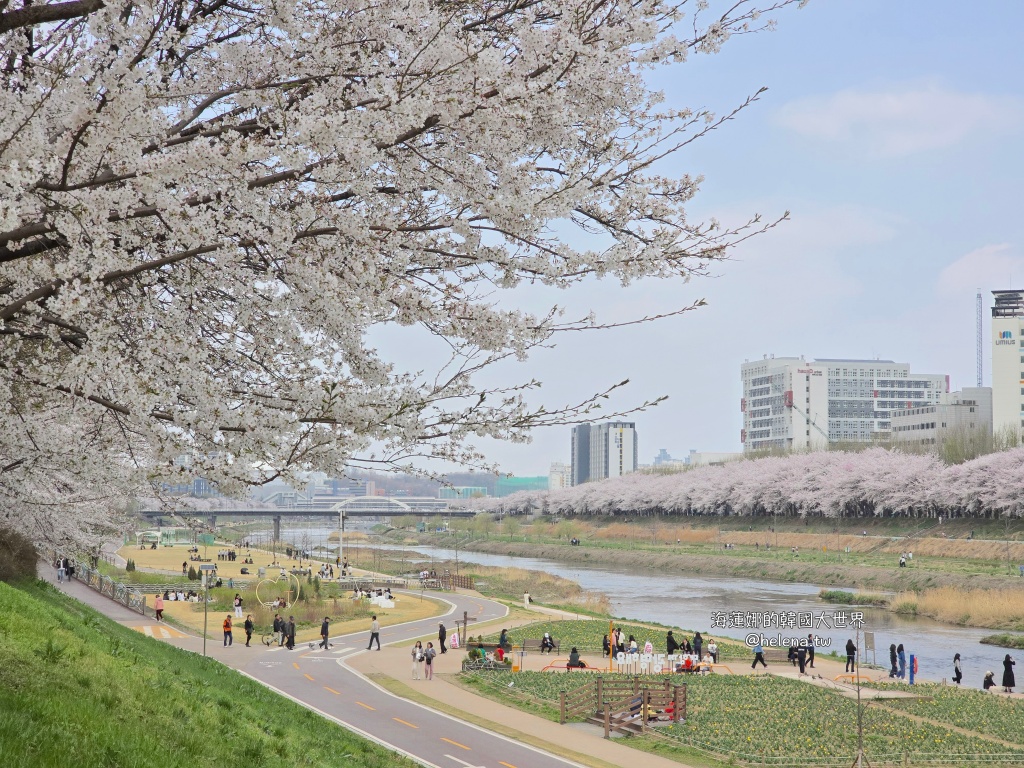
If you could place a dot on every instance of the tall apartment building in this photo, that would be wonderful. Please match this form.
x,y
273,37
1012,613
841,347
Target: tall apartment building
x,y
968,411
559,476
604,450
1007,361
792,404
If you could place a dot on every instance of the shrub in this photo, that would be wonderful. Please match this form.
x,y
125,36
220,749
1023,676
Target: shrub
x,y
192,575
18,556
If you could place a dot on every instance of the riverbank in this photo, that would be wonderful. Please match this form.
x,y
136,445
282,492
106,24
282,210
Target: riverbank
x,y
772,565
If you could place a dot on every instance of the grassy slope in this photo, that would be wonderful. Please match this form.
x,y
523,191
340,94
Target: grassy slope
x,y
76,687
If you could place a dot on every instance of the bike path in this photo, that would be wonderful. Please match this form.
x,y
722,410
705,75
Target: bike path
x,y
322,681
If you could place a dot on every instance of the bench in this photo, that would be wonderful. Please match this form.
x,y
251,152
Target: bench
x,y
534,645
777,656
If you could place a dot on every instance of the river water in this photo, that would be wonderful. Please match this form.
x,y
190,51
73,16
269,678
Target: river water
x,y
678,599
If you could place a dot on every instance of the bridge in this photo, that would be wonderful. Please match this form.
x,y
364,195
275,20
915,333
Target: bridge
x,y
354,506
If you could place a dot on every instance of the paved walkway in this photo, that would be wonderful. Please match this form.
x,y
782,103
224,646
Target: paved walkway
x,y
334,683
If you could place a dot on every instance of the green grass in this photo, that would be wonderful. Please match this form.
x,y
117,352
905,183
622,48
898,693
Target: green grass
x,y
750,718
586,635
852,598
1004,640
79,688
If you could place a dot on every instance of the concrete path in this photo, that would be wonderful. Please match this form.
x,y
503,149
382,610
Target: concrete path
x,y
334,684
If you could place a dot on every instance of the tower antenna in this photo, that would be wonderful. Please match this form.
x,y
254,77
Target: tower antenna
x,y
979,337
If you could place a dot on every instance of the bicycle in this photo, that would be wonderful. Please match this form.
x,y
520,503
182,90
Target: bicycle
x,y
269,638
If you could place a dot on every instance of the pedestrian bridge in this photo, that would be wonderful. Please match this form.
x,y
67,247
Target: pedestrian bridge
x,y
354,506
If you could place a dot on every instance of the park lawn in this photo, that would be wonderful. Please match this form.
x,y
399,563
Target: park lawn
x,y
587,634
79,688
170,558
750,717
347,616
969,708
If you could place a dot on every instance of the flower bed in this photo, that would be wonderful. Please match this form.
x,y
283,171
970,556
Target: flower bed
x,y
752,718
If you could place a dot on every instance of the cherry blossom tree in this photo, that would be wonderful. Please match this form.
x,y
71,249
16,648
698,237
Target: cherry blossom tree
x,y
874,482
209,208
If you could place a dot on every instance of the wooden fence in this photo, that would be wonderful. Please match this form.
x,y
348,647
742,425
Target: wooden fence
x,y
624,706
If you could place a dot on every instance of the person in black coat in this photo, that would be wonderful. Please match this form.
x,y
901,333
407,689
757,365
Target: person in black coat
x,y
671,646
442,633
606,646
893,672
957,672
1008,680
325,632
851,655
698,641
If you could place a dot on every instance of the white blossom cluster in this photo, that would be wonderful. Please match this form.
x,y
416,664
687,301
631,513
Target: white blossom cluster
x,y
874,482
207,206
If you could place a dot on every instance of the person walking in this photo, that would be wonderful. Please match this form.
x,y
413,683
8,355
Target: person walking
x,y
1008,680
158,606
442,633
227,631
801,658
901,657
279,629
60,570
958,674
810,650
249,627
184,568
428,661
374,632
325,631
758,656
290,632
851,654
671,646
893,669
238,606
417,660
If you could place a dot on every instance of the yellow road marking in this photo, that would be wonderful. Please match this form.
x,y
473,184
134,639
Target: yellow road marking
x,y
158,631
307,677
295,664
507,765
454,742
366,706
400,720
332,691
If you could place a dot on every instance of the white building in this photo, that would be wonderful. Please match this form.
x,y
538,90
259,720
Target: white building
x,y
789,403
559,476
966,412
604,450
1007,361
705,458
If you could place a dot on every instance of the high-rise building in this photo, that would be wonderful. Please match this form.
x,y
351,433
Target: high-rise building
x,y
791,404
580,471
1007,361
559,476
604,450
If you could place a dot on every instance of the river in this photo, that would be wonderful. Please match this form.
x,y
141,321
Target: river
x,y
687,601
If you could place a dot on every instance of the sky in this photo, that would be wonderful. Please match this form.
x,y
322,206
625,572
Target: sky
x,y
892,134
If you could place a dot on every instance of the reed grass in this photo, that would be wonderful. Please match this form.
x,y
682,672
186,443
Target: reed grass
x,y
543,587
995,608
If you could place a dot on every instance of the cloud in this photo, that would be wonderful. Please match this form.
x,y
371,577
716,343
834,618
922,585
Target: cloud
x,y
990,265
900,122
